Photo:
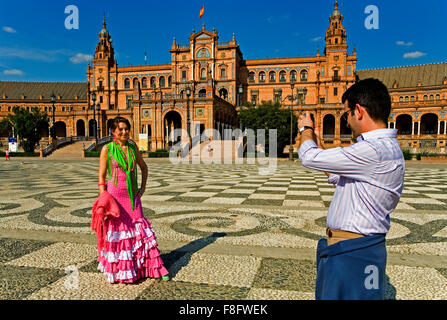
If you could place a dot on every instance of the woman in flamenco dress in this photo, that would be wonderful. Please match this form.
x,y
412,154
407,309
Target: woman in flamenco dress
x,y
130,248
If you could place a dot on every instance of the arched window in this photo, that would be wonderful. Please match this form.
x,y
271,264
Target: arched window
x,y
401,99
282,76
262,76
203,74
431,97
303,75
251,77
144,82
438,97
153,84
272,76
223,93
202,93
127,83
293,75
135,83
162,82
406,98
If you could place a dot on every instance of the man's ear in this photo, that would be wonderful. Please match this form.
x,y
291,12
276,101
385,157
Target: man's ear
x,y
359,111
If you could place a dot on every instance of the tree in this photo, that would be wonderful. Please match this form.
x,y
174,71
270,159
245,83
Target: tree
x,y
267,116
27,125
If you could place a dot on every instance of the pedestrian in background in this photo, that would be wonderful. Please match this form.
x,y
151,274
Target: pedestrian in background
x,y
369,177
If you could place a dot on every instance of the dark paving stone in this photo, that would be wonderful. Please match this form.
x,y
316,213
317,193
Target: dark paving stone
x,y
207,190
270,191
310,198
188,199
91,267
286,274
426,206
232,195
266,202
177,290
442,271
17,283
167,193
11,249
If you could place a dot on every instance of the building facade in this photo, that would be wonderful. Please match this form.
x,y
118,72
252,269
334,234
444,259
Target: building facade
x,y
207,81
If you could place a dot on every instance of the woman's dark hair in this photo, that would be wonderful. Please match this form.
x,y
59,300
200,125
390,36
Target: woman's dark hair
x,y
372,95
117,120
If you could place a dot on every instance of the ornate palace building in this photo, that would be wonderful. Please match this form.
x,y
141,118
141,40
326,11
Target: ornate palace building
x,y
207,81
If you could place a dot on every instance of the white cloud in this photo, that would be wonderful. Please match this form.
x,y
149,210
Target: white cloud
x,y
81,58
13,72
33,54
414,55
405,44
9,30
316,39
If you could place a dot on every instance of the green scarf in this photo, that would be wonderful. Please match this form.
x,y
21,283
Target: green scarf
x,y
114,150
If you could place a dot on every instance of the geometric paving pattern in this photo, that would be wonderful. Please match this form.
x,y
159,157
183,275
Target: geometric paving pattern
x,y
224,231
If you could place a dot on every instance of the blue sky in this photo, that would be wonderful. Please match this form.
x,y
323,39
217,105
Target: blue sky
x,y
36,46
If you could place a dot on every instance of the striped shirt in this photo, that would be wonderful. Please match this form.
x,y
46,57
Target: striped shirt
x,y
369,178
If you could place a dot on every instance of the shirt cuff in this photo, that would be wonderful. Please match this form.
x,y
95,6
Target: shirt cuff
x,y
305,146
333,178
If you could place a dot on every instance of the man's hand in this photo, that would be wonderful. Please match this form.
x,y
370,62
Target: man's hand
x,y
305,120
318,137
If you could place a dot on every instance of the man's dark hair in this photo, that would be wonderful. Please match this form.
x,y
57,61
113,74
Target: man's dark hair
x,y
372,95
117,120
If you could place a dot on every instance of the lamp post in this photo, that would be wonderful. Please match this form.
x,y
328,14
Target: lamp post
x,y
188,120
292,85
240,91
53,132
98,108
94,116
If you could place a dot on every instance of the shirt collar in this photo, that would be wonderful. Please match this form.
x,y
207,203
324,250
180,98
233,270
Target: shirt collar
x,y
378,133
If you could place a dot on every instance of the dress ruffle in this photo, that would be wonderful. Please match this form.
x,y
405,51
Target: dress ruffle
x,y
130,253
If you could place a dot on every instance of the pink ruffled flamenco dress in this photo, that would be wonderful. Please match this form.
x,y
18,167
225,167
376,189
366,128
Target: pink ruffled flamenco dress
x,y
129,251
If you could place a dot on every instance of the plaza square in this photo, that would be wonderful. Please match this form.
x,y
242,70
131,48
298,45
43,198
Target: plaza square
x,y
216,242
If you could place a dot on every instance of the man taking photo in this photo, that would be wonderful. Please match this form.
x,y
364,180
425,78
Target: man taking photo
x,y
369,177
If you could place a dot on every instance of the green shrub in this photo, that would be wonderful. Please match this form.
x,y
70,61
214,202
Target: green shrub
x,y
92,154
20,154
159,154
407,154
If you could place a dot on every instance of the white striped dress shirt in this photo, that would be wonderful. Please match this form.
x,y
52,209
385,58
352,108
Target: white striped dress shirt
x,y
369,178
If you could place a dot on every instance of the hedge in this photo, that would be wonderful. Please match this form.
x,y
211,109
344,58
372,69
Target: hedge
x,y
407,154
92,154
20,154
159,154
156,154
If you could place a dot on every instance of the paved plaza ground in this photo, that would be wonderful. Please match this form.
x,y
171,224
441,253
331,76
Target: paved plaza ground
x,y
225,231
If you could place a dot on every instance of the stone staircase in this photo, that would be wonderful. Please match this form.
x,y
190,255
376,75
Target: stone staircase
x,y
73,150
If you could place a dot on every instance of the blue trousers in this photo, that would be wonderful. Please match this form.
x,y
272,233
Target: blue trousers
x,y
353,269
